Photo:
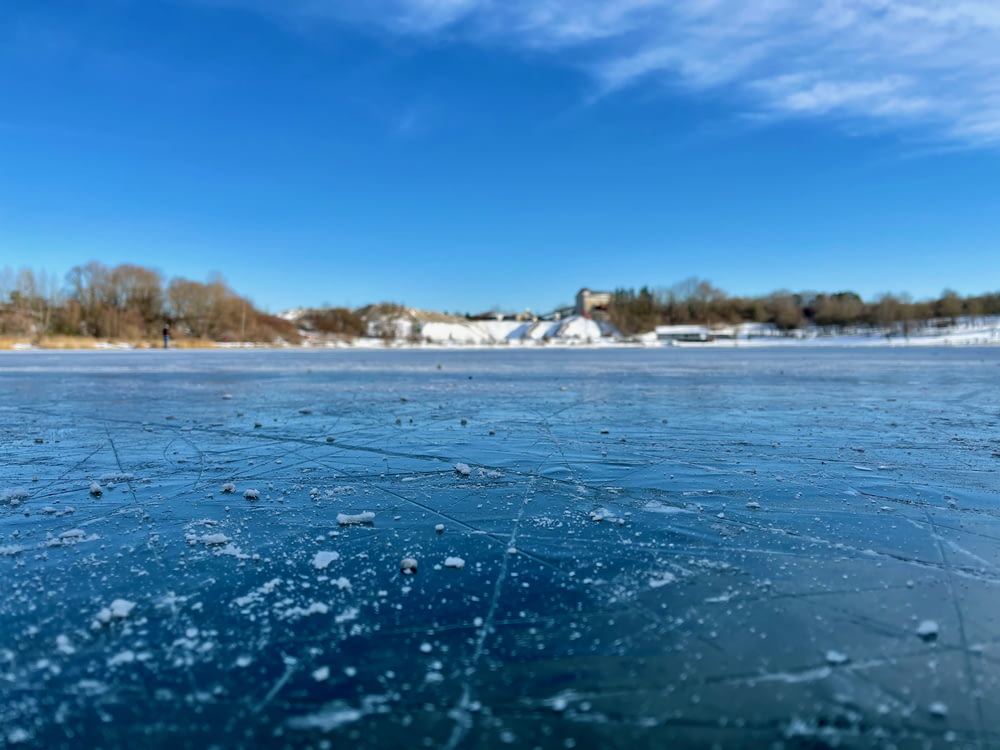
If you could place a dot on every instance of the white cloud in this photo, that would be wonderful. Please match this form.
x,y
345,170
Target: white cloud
x,y
930,64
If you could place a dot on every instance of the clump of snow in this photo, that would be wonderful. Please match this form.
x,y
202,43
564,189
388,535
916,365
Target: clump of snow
x,y
63,645
938,709
117,476
95,489
125,657
323,559
928,630
408,565
454,562
835,657
294,613
251,494
462,469
19,735
119,609
353,519
228,488
351,613
71,537
662,580
321,674
14,496
257,595
439,528
331,717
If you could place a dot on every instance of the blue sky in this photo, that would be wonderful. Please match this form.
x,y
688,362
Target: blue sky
x,y
463,154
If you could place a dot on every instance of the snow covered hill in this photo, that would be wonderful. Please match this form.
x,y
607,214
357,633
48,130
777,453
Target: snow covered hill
x,y
393,324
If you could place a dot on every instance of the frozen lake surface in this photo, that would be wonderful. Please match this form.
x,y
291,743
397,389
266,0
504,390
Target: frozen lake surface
x,y
628,548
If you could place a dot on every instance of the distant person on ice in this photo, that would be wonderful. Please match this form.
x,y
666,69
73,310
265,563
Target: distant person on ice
x,y
166,337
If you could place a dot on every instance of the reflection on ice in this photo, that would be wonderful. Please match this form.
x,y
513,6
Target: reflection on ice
x,y
467,549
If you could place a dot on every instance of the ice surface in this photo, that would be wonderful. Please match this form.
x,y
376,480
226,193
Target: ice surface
x,y
662,548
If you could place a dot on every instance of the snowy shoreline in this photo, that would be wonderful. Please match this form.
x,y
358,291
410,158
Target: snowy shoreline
x,y
989,339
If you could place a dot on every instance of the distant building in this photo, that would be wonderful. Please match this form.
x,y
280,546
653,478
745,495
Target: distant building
x,y
588,301
683,333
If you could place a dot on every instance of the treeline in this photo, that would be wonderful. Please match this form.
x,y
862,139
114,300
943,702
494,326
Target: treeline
x,y
697,301
130,303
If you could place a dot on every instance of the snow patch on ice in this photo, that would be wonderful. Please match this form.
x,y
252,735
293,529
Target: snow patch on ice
x,y
323,559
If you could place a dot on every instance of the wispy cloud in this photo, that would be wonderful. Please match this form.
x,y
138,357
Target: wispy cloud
x,y
927,64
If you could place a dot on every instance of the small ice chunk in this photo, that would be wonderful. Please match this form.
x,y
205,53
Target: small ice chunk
x,y
322,559
73,534
321,674
408,566
439,528
95,489
213,540
342,583
753,505
462,469
835,657
426,648
228,488
938,709
454,562
928,630
352,519
251,494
